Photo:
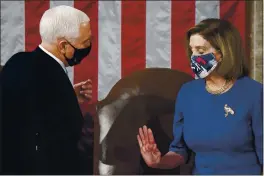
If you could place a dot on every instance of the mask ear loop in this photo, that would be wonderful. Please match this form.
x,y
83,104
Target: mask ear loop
x,y
71,45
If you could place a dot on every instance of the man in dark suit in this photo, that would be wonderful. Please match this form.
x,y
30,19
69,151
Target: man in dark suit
x,y
41,117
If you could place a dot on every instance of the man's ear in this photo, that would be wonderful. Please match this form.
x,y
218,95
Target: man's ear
x,y
62,46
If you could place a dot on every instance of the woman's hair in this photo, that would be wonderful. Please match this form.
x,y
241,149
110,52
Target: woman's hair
x,y
223,36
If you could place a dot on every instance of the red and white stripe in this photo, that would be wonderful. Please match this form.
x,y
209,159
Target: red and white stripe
x,y
128,35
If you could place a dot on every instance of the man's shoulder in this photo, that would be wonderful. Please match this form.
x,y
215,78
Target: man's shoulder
x,y
18,59
18,67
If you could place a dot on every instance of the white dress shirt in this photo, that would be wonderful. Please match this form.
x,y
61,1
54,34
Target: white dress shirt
x,y
54,57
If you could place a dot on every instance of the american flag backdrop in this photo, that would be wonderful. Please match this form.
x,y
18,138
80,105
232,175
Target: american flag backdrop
x,y
128,35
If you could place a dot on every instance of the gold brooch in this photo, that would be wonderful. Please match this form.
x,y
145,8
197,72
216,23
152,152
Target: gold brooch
x,y
228,110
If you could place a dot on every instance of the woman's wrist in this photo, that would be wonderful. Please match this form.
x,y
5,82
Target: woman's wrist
x,y
156,165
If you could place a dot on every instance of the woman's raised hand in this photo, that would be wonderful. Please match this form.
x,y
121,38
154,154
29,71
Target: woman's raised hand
x,y
148,147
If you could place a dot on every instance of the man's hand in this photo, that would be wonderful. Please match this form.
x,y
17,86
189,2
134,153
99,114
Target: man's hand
x,y
83,91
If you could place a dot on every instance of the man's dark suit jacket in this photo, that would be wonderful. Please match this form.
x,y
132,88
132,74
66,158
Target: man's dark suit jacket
x,y
41,117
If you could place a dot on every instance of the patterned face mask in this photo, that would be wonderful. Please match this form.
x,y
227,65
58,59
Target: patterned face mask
x,y
203,65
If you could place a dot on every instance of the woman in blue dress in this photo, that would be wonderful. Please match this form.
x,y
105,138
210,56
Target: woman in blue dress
x,y
218,116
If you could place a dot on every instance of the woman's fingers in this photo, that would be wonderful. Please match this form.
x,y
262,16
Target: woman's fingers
x,y
155,147
146,139
139,141
142,136
151,137
150,147
144,149
145,130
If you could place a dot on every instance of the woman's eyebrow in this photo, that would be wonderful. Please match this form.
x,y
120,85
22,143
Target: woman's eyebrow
x,y
199,47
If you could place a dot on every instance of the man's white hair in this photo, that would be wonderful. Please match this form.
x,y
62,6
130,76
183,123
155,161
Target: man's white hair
x,y
61,21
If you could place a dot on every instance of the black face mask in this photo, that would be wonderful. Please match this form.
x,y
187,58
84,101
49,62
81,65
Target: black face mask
x,y
78,56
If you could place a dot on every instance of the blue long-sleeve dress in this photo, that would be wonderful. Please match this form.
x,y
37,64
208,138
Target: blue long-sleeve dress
x,y
222,144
